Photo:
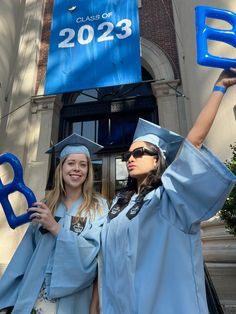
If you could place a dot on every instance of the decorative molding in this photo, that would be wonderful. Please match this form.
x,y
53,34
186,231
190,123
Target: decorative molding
x,y
165,88
42,103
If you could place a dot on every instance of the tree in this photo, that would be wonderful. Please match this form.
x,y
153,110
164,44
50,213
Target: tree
x,y
228,213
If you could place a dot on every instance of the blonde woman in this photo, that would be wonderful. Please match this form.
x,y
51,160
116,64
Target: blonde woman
x,y
55,266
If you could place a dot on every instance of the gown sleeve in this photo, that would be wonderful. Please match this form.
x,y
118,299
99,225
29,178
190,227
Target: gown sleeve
x,y
196,186
75,258
11,278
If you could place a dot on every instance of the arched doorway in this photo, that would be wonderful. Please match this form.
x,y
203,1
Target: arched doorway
x,y
109,117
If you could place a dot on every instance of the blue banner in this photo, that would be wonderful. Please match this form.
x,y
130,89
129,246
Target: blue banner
x,y
94,43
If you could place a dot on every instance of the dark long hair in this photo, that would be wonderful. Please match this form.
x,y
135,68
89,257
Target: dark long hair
x,y
151,182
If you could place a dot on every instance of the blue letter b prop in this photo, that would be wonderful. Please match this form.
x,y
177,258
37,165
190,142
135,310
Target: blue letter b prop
x,y
16,185
205,33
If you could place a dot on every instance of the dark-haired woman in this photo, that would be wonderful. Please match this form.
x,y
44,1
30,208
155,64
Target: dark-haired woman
x,y
151,261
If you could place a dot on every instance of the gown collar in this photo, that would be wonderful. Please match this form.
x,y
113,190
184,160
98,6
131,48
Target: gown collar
x,y
72,211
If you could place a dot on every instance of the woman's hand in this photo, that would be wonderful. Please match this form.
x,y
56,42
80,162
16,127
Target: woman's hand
x,y
227,78
42,215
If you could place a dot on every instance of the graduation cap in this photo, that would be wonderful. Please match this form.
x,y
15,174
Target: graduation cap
x,y
168,142
74,144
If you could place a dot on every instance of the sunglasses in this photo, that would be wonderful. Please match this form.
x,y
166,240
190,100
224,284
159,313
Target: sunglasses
x,y
137,153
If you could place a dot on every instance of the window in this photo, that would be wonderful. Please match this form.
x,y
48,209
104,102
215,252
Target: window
x,y
109,115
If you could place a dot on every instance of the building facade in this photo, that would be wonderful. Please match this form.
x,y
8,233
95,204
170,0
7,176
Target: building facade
x,y
173,92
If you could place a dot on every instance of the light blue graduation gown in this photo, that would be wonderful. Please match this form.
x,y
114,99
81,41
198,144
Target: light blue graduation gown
x,y
67,263
153,264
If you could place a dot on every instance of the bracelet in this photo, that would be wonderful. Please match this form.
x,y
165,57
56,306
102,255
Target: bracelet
x,y
218,88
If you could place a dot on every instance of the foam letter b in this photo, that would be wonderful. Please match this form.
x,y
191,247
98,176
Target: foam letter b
x,y
205,33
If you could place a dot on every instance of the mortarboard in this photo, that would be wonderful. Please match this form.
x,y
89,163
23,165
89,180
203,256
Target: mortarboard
x,y
74,144
169,142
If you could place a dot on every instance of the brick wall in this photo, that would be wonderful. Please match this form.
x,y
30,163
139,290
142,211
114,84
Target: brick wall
x,y
44,43
156,25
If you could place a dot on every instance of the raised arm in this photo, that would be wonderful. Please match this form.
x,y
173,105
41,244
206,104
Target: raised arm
x,y
207,115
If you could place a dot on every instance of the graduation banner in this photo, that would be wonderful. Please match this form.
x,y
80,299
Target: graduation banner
x,y
93,43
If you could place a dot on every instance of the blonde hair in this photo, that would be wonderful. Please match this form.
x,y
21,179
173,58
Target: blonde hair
x,y
90,205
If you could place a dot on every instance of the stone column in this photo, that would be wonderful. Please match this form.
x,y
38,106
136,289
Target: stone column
x,y
43,131
168,112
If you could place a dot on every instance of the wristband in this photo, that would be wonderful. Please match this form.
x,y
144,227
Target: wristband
x,y
218,88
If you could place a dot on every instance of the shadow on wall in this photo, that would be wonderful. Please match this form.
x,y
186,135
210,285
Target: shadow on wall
x,y
18,49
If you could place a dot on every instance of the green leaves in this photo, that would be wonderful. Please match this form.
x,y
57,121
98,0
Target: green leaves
x,y
228,213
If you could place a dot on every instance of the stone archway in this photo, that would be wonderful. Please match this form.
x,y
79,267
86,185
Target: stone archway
x,y
155,61
157,64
